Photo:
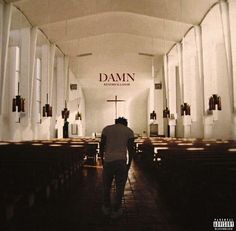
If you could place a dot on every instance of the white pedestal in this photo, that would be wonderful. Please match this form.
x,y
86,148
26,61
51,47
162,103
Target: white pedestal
x,y
187,126
80,128
215,115
1,127
208,126
234,128
172,125
59,127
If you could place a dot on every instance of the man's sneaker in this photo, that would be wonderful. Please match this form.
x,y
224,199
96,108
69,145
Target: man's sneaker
x,y
106,210
116,214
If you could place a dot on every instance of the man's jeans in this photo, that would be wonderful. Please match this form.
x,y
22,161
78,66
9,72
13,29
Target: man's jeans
x,y
118,170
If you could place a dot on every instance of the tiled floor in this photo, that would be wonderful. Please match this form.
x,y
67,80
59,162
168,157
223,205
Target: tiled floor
x,y
79,207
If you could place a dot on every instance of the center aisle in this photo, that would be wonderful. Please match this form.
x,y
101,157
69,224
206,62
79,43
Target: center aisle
x,y
79,207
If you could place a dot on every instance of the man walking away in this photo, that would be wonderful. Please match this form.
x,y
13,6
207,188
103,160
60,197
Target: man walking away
x,y
116,140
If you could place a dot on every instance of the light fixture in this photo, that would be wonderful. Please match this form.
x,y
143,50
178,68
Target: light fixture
x,y
65,113
146,54
153,115
47,109
166,113
185,109
78,115
84,54
18,103
213,101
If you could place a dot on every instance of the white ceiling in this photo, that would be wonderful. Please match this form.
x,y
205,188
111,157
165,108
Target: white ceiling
x,y
67,22
110,26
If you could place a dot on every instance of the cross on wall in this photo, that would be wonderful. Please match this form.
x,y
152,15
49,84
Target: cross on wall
x,y
115,101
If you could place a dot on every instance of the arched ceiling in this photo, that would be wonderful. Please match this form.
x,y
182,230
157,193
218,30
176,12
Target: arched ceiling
x,y
68,21
48,11
113,26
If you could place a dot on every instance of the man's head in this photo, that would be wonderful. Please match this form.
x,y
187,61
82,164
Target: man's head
x,y
121,120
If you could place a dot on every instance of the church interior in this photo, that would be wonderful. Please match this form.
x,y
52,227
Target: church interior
x,y
71,67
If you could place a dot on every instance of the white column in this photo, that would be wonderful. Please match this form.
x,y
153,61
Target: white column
x,y
51,71
51,89
198,38
224,10
179,91
1,35
60,85
180,61
165,93
151,100
33,45
159,102
172,75
60,94
166,80
13,127
232,16
151,106
172,89
45,73
1,43
66,77
7,15
35,114
44,131
25,71
172,99
210,76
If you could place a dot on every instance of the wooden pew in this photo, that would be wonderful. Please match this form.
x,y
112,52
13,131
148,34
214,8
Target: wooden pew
x,y
199,175
92,149
193,171
28,168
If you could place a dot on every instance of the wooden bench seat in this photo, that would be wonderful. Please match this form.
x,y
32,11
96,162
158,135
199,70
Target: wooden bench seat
x,y
27,168
193,172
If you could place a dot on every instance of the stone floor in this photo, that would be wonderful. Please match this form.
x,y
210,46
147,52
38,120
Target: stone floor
x,y
79,206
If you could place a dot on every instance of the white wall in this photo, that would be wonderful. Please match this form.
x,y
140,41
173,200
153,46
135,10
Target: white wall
x,y
10,127
207,69
218,74
99,112
216,79
1,34
52,82
232,16
192,93
17,131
